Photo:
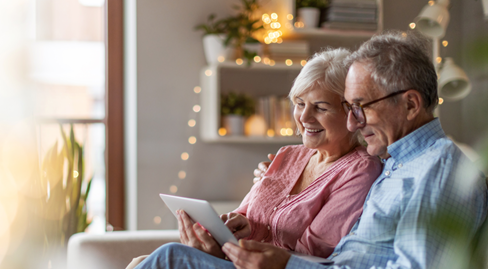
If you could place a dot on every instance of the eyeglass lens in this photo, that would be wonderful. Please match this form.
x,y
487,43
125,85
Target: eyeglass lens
x,y
357,111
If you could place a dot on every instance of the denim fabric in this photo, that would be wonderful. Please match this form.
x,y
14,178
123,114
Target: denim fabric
x,y
176,255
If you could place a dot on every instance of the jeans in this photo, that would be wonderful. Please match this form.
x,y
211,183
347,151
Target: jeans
x,y
176,255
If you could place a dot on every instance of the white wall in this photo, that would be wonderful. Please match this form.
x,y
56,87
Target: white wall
x,y
169,58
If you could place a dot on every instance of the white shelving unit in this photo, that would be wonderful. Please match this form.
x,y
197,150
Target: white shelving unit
x,y
258,80
285,7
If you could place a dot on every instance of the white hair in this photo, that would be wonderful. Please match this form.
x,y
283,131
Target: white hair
x,y
326,69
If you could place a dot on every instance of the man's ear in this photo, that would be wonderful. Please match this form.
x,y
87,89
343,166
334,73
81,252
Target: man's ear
x,y
414,103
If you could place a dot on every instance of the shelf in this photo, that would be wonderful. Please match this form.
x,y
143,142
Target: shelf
x,y
333,33
283,8
256,140
257,80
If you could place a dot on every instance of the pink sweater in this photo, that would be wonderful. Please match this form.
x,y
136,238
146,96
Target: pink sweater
x,y
314,220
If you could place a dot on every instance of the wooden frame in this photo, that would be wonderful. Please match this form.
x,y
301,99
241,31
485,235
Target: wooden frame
x,y
114,152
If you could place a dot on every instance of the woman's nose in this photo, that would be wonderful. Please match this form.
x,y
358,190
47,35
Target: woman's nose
x,y
306,115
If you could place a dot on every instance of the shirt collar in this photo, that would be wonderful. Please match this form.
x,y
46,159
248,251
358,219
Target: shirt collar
x,y
415,142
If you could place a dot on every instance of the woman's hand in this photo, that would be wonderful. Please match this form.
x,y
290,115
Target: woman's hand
x,y
262,168
237,224
194,235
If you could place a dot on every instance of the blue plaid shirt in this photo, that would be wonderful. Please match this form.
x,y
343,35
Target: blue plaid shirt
x,y
422,212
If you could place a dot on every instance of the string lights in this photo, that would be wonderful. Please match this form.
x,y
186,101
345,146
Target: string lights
x,y
192,140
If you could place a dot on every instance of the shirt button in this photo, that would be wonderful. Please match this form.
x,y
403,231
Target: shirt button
x,y
335,254
274,209
400,165
387,173
269,228
352,233
287,196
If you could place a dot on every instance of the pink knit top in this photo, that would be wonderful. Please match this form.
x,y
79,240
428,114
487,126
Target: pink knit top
x,y
314,220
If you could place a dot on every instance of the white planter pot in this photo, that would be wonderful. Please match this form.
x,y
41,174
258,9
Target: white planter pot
x,y
213,46
309,16
253,47
234,124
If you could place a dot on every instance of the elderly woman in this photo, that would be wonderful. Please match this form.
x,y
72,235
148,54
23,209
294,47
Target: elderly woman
x,y
311,195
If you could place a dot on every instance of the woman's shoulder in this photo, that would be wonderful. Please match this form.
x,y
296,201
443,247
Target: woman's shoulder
x,y
361,158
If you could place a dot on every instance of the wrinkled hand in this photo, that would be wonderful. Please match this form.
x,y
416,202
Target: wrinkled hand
x,y
237,224
262,168
194,235
252,254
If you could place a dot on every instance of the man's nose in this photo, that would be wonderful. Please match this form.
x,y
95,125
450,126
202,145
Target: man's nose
x,y
352,123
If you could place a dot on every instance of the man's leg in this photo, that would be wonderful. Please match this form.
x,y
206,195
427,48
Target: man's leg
x,y
175,255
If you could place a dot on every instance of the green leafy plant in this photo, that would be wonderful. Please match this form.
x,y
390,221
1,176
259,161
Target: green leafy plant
x,y
212,26
236,104
63,177
241,28
311,3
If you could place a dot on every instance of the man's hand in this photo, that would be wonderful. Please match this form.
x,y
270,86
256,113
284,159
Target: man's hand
x,y
262,168
237,224
252,254
194,235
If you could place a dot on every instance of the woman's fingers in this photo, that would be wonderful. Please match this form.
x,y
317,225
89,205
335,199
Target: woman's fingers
x,y
191,237
239,225
181,229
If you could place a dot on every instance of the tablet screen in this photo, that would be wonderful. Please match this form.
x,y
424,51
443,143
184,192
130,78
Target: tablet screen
x,y
202,212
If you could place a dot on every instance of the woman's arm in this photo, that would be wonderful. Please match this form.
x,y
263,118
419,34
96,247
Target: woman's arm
x,y
340,211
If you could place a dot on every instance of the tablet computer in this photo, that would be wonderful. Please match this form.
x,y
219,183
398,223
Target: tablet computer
x,y
202,212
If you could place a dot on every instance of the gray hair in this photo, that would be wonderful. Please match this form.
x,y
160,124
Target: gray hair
x,y
400,61
326,69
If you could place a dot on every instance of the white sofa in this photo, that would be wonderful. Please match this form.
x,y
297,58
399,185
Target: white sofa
x,y
114,250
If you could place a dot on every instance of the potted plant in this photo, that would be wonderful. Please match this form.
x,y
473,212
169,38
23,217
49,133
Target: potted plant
x,y
234,108
213,40
309,11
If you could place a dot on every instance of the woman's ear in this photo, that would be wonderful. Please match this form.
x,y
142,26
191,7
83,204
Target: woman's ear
x,y
414,103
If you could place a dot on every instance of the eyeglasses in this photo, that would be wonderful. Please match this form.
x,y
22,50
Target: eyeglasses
x,y
357,109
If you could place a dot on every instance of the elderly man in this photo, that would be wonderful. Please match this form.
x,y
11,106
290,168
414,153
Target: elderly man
x,y
429,202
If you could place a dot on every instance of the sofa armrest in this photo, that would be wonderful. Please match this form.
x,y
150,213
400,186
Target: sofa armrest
x,y
115,249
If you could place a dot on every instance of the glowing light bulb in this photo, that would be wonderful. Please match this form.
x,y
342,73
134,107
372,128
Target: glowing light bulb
x,y
266,60
441,101
289,17
75,174
412,25
289,131
221,59
431,3
185,156
173,189
303,62
197,89
208,72
192,123
222,131
239,61
192,140
438,60
274,16
196,108
257,59
288,62
181,174
283,131
157,220
280,40
270,133
272,62
445,43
